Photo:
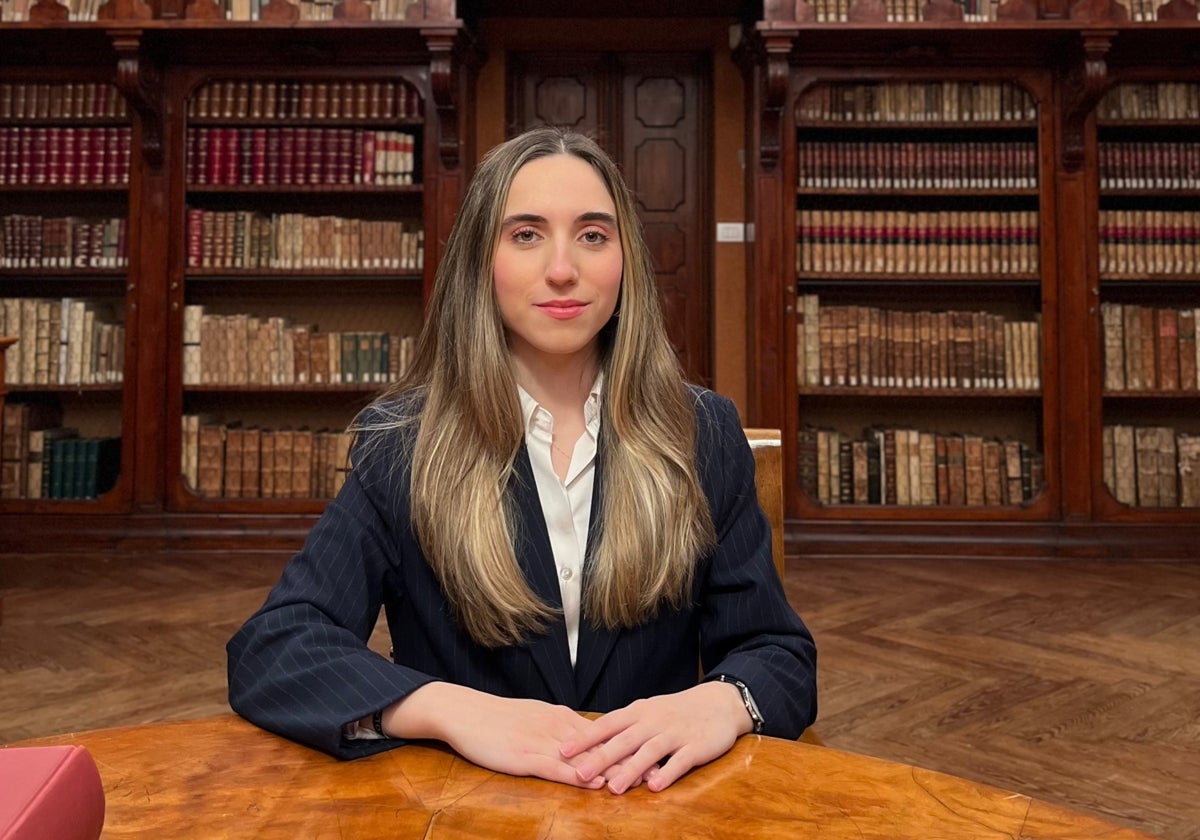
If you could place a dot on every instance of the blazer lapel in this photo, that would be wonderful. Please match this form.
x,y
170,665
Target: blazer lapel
x,y
536,558
595,643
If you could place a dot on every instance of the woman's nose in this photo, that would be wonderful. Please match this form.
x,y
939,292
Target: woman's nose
x,y
562,268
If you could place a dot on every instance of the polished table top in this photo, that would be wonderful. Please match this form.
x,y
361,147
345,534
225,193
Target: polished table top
x,y
223,778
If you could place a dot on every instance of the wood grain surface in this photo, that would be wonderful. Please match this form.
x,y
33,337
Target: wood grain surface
x,y
224,778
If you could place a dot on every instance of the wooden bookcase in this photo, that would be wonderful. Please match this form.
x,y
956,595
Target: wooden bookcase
x,y
1065,60
1064,56
199,93
65,193
1148,265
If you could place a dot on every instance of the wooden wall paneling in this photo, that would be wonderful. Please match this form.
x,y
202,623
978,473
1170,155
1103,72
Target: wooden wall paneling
x,y
665,136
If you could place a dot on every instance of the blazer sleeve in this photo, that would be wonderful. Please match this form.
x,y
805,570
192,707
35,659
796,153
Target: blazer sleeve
x,y
748,630
300,666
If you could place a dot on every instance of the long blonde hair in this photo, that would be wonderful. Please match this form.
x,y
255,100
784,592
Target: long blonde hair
x,y
654,521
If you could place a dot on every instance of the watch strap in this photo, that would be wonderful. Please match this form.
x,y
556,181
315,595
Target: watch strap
x,y
756,717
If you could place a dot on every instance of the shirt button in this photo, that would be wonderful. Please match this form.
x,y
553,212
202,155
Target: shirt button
x,y
565,573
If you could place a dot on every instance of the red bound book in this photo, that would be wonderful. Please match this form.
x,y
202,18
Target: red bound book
x,y
53,156
287,155
103,156
25,172
366,161
70,159
274,155
123,137
339,166
203,147
304,139
258,153
216,155
232,162
319,141
325,166
38,155
245,156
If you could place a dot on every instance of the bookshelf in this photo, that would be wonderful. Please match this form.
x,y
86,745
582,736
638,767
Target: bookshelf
x,y
831,181
1149,270
64,251
302,279
236,267
932,185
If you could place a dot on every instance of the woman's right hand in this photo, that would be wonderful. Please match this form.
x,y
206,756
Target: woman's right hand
x,y
515,736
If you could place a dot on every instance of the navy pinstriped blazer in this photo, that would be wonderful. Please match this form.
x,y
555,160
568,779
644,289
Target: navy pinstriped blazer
x,y
300,666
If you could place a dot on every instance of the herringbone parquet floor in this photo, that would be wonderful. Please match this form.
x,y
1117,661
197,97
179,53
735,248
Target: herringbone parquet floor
x,y
1076,682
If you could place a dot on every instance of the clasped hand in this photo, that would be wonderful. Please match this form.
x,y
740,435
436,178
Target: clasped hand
x,y
619,750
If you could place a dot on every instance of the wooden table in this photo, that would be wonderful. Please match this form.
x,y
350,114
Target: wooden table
x,y
223,778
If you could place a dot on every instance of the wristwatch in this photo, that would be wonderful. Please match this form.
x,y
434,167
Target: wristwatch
x,y
756,717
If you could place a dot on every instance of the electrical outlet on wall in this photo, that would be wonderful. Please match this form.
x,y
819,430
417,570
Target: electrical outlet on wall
x,y
731,232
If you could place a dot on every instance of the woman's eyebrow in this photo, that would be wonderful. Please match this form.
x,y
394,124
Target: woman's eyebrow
x,y
599,216
533,218
522,219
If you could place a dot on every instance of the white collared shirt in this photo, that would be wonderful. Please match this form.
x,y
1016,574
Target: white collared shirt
x,y
566,505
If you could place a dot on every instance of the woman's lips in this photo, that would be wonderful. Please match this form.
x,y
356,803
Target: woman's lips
x,y
562,310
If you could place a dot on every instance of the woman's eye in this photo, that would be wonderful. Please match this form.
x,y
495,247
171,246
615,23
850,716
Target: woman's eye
x,y
524,236
594,237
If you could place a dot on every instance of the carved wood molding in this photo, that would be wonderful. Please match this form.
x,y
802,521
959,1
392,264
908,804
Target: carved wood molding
x,y
450,55
1018,10
141,81
1084,83
867,11
203,10
772,48
1099,11
280,11
352,10
48,11
1178,10
942,10
124,10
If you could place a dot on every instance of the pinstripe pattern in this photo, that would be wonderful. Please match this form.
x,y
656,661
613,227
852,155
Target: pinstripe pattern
x,y
301,667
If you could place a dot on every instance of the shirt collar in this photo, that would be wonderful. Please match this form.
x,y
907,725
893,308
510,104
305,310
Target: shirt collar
x,y
532,411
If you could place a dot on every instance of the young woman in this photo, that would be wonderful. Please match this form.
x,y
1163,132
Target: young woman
x,y
551,517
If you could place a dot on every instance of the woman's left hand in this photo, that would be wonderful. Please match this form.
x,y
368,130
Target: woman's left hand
x,y
692,727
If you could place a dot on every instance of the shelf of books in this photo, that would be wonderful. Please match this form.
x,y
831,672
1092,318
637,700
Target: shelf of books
x,y
301,280
1149,265
919,386
64,189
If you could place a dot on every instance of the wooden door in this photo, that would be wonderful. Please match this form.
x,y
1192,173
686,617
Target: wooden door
x,y
650,111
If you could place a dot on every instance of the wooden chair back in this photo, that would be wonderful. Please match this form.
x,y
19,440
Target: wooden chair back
x,y
767,446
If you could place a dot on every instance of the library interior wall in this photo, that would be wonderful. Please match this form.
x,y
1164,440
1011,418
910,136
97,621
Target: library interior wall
x,y
498,37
